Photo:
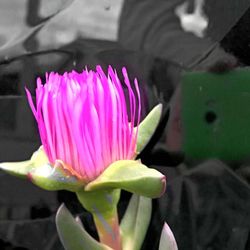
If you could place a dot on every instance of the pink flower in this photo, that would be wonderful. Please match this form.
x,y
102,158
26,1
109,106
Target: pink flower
x,y
84,121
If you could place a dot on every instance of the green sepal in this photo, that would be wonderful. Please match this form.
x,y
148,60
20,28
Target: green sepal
x,y
132,176
167,240
21,169
73,235
135,222
54,178
42,173
147,127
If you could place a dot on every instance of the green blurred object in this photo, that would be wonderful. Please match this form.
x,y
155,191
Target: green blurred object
x,y
216,115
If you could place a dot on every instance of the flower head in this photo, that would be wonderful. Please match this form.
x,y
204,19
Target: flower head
x,y
84,120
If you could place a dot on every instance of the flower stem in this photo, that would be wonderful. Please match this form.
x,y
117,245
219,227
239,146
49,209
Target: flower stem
x,y
102,204
108,230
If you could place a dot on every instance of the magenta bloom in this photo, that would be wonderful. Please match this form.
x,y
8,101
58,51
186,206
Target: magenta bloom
x,y
86,121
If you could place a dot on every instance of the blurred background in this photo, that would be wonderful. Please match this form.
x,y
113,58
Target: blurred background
x,y
207,203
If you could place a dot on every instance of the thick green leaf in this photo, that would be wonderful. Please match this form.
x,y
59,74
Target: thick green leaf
x,y
21,169
167,241
135,222
41,173
72,234
132,176
147,127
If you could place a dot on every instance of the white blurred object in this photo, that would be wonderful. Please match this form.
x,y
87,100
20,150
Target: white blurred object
x,y
196,22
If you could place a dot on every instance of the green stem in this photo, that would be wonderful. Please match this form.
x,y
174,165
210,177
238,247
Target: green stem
x,y
103,206
108,230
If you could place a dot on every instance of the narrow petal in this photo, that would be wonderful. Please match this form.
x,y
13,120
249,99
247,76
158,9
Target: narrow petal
x,y
31,103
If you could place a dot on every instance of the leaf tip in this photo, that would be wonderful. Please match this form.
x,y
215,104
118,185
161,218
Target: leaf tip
x,y
164,184
160,106
29,176
60,214
60,210
167,241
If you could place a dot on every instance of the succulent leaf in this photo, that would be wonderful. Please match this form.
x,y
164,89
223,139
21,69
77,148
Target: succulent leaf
x,y
21,169
167,241
73,235
147,127
131,176
135,222
42,173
